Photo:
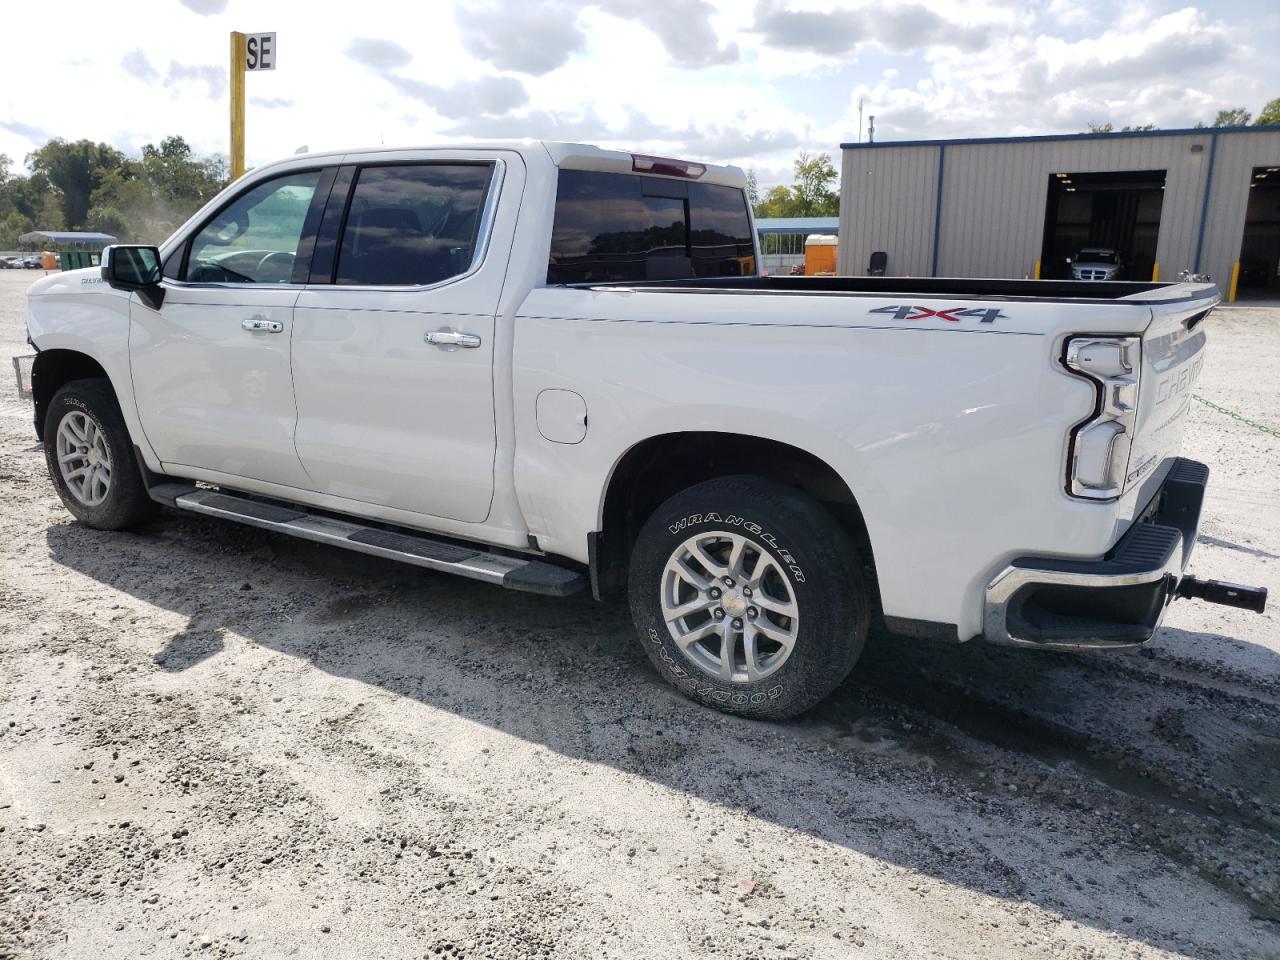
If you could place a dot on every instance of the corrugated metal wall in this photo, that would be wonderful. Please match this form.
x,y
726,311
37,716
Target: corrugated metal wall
x,y
1238,155
887,203
994,194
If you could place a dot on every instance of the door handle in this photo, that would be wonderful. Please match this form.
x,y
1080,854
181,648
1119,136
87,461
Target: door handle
x,y
451,338
261,324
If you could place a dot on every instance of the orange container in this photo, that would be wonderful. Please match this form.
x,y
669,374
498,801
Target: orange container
x,y
820,255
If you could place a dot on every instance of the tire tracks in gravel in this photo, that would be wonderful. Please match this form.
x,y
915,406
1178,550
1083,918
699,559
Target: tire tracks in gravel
x,y
970,702
971,720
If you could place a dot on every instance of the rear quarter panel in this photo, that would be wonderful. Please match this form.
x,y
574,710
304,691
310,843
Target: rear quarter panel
x,y
951,433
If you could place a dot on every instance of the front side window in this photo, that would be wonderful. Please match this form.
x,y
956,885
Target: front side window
x,y
412,225
255,238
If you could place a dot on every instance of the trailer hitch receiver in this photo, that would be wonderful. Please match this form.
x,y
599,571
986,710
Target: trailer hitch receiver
x,y
1227,594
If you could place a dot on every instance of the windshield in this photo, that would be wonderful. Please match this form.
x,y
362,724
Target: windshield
x,y
1097,256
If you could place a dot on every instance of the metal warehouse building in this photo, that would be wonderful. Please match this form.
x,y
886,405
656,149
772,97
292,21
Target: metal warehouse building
x,y
1166,200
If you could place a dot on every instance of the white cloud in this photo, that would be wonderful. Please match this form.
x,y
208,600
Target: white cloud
x,y
531,36
205,8
724,80
378,54
836,32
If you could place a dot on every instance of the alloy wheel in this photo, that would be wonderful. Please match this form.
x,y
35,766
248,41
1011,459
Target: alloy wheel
x,y
729,606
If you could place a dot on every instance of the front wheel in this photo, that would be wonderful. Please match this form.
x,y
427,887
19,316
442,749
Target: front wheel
x,y
90,457
749,597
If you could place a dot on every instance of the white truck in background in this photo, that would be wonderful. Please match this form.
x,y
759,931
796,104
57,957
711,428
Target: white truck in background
x,y
1095,263
554,367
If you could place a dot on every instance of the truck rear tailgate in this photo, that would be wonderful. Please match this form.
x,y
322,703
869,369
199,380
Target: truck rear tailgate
x,y
1172,355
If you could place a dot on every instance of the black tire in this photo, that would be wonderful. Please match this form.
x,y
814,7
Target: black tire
x,y
821,568
126,503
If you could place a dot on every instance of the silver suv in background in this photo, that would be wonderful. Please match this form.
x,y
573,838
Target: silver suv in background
x,y
1095,263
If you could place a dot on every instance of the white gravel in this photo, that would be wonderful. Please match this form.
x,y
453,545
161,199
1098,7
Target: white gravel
x,y
218,742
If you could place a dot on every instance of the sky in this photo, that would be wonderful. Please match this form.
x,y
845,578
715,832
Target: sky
x,y
752,82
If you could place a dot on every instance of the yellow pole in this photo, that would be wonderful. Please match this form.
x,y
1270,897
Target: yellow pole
x,y
1235,281
1035,271
238,57
1155,273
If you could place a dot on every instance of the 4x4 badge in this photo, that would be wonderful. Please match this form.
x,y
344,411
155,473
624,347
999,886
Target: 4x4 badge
x,y
950,314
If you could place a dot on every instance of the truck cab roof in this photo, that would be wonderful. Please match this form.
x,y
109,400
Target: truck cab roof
x,y
562,154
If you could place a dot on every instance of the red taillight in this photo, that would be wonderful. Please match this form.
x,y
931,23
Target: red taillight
x,y
666,166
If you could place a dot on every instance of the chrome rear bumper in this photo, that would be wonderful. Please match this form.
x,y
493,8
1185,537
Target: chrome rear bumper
x,y
1116,601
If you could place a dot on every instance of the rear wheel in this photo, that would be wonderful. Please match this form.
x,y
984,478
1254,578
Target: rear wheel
x,y
748,596
91,459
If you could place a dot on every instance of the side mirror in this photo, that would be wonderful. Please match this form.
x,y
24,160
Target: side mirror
x,y
134,267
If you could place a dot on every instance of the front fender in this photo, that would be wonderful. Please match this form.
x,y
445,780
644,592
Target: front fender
x,y
78,313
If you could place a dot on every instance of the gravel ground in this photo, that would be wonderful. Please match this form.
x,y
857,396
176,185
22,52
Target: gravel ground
x,y
215,741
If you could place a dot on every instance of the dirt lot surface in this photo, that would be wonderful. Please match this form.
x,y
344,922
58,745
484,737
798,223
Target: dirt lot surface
x,y
215,741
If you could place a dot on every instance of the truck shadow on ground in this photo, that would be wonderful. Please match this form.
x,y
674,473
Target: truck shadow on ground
x,y
1062,781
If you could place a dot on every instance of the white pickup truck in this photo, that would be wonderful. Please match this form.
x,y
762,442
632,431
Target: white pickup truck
x,y
555,367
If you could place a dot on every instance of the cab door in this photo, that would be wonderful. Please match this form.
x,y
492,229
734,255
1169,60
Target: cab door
x,y
393,341
211,366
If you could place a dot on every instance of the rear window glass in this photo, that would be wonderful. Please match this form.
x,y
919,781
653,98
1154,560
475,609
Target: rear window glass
x,y
623,227
412,225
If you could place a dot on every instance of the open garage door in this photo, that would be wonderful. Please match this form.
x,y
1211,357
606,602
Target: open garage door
x,y
1117,211
1260,246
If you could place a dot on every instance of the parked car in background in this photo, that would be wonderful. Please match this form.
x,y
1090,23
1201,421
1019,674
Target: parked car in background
x,y
552,367
1095,263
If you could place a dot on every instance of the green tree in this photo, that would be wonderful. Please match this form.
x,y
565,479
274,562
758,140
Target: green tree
x,y
7,187
104,219
1235,117
778,202
753,189
813,193
83,185
1110,127
127,195
12,227
74,170
177,175
48,215
1269,115
814,187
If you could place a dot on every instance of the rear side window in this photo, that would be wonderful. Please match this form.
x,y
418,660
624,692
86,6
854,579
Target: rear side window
x,y
623,227
412,225
720,232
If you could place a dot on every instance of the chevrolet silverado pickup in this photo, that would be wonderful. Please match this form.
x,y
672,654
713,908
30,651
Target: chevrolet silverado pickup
x,y
556,368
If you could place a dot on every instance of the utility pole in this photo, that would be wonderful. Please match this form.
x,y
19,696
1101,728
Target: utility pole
x,y
859,119
249,52
238,58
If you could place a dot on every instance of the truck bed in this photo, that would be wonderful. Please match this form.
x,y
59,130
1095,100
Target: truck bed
x,y
981,289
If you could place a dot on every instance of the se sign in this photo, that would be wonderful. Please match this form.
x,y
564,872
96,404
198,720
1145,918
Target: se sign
x,y
260,51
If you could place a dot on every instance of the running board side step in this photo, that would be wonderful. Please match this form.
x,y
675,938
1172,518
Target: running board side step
x,y
514,573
